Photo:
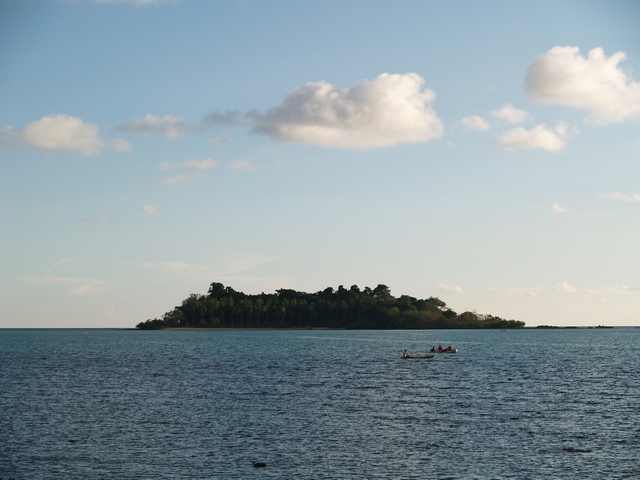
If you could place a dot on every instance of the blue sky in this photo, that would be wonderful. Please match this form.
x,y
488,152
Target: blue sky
x,y
487,153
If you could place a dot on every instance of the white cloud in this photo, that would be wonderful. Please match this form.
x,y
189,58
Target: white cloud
x,y
555,208
170,126
475,122
386,111
539,136
198,165
242,165
634,197
444,288
565,287
62,133
148,210
510,114
597,84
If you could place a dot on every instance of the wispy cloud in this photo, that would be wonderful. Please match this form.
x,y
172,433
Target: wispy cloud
x,y
596,83
170,126
391,109
622,290
475,122
510,114
80,286
516,292
149,210
226,118
555,208
540,136
565,287
634,197
223,269
198,165
450,289
177,180
243,165
222,140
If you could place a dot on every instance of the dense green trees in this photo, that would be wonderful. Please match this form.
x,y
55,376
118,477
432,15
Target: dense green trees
x,y
353,308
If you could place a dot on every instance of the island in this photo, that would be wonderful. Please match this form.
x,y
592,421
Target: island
x,y
353,308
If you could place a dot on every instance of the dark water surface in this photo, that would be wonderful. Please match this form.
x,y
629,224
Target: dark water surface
x,y
119,404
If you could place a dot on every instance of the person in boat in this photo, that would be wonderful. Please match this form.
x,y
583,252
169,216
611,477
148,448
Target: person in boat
x,y
448,349
405,354
440,349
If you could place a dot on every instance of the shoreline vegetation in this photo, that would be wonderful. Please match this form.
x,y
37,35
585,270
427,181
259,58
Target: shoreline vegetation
x,y
223,307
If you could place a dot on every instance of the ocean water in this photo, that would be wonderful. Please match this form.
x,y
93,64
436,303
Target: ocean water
x,y
126,404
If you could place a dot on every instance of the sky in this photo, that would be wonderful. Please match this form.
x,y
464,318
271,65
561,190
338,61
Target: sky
x,y
485,153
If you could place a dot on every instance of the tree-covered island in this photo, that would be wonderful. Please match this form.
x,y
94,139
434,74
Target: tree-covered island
x,y
223,307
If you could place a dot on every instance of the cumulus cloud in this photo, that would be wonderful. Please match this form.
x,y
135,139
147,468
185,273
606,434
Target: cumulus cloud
x,y
634,197
391,109
597,84
170,126
510,114
148,210
61,133
555,208
540,136
475,122
198,165
57,133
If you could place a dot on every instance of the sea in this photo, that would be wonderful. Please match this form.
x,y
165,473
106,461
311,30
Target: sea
x,y
319,404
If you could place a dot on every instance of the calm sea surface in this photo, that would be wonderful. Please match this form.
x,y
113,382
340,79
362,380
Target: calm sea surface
x,y
121,404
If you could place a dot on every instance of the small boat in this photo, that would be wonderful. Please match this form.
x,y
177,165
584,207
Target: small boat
x,y
444,350
417,356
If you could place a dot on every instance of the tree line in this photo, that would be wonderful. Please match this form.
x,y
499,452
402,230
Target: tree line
x,y
353,308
